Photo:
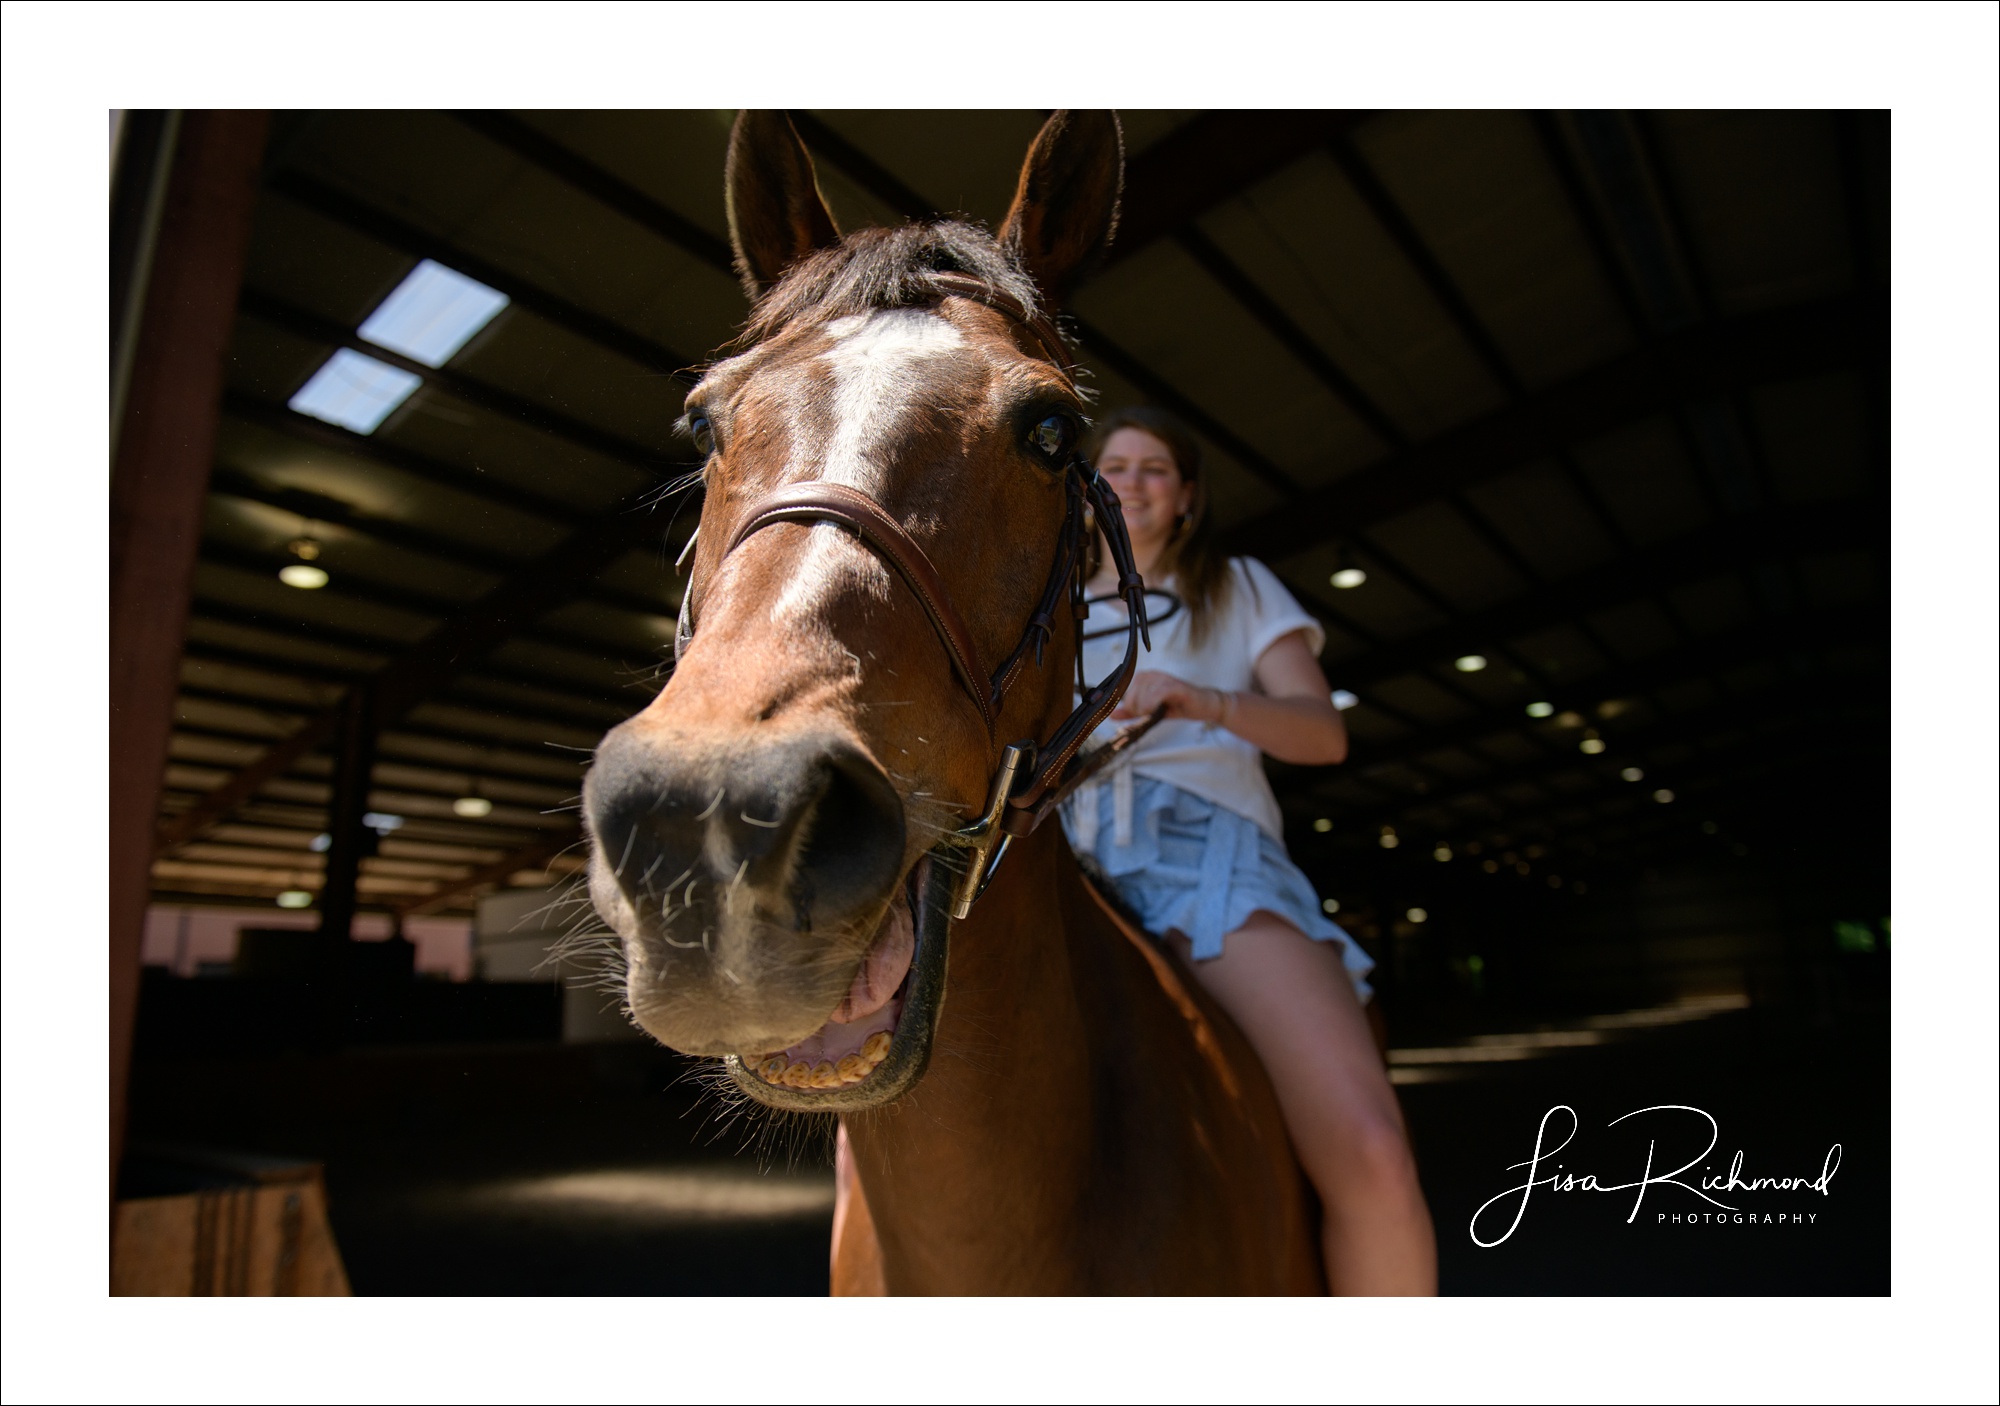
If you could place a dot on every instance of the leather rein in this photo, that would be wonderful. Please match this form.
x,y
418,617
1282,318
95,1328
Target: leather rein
x,y
1032,778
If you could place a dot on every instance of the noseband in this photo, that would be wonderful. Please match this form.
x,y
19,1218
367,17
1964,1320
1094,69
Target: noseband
x,y
1031,778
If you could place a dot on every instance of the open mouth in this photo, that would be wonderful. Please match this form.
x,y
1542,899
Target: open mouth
x,y
878,1044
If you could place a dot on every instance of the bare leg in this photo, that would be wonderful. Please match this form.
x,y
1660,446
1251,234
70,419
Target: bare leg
x,y
856,1261
1295,1002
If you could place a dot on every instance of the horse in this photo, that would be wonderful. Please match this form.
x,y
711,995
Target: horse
x,y
820,846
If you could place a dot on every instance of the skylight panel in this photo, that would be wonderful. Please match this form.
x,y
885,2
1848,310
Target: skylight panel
x,y
354,391
432,313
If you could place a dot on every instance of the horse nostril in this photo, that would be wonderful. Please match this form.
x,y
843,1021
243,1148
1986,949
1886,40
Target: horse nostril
x,y
809,828
851,847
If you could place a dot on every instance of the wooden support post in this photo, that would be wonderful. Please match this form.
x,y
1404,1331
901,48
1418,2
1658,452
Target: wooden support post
x,y
166,443
353,768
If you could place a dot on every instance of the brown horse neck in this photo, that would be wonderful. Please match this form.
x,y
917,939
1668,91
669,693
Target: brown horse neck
x,y
979,1159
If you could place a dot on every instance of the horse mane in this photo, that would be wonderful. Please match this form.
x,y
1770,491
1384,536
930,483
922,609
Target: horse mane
x,y
884,268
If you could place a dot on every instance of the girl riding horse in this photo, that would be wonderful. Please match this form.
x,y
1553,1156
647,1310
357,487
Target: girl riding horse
x,y
1187,831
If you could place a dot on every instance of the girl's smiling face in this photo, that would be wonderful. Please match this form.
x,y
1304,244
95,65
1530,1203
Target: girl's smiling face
x,y
1140,469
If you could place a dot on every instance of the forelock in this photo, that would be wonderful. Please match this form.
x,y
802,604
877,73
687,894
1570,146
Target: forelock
x,y
884,268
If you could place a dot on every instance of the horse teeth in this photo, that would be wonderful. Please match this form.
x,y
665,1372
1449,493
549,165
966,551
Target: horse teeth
x,y
853,1067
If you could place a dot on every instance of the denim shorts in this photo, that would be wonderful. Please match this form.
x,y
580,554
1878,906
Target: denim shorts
x,y
1198,868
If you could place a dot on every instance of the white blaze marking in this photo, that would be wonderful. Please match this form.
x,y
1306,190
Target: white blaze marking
x,y
874,358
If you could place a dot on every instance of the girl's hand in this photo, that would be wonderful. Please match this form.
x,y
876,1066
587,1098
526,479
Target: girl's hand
x,y
1151,689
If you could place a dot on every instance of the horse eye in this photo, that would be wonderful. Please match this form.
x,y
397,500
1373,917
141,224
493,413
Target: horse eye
x,y
704,438
1051,438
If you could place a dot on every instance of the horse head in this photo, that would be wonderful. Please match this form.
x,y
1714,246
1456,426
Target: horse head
x,y
891,502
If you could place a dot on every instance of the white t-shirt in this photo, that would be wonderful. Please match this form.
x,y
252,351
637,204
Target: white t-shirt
x,y
1252,614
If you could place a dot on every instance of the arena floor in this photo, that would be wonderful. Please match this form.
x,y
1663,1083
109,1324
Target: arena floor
x,y
543,1169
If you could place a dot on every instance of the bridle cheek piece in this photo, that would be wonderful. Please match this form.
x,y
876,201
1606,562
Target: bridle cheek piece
x,y
1032,778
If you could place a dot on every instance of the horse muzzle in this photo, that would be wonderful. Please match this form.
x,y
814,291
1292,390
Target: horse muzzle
x,y
749,885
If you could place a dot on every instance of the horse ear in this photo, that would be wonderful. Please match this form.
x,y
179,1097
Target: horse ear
x,y
776,214
1066,205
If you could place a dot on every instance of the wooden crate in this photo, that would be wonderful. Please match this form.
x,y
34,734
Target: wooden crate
x,y
266,1235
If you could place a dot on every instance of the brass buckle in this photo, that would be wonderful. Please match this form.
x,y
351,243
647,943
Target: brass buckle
x,y
985,843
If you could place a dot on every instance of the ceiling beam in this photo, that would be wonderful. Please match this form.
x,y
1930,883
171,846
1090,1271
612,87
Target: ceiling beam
x,y
1704,360
534,856
1212,157
1209,159
458,642
1266,312
398,234
566,706
229,482
230,613
1722,781
1402,232
311,327
422,603
471,482
1705,655
515,765
1616,831
1629,747
539,149
1651,571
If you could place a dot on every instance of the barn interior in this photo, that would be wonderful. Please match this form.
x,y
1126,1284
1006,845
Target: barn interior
x,y
1571,428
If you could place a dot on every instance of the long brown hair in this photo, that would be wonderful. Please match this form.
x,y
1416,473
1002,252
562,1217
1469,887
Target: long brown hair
x,y
1201,572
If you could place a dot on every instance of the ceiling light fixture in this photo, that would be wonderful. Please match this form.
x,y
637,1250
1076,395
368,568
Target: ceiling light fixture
x,y
1590,746
1343,700
1663,796
1329,906
472,807
1442,854
1633,773
1347,578
1469,663
1418,915
295,898
1540,710
305,578
1322,825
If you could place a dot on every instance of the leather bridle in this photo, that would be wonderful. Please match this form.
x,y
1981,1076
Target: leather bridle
x,y
1031,779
